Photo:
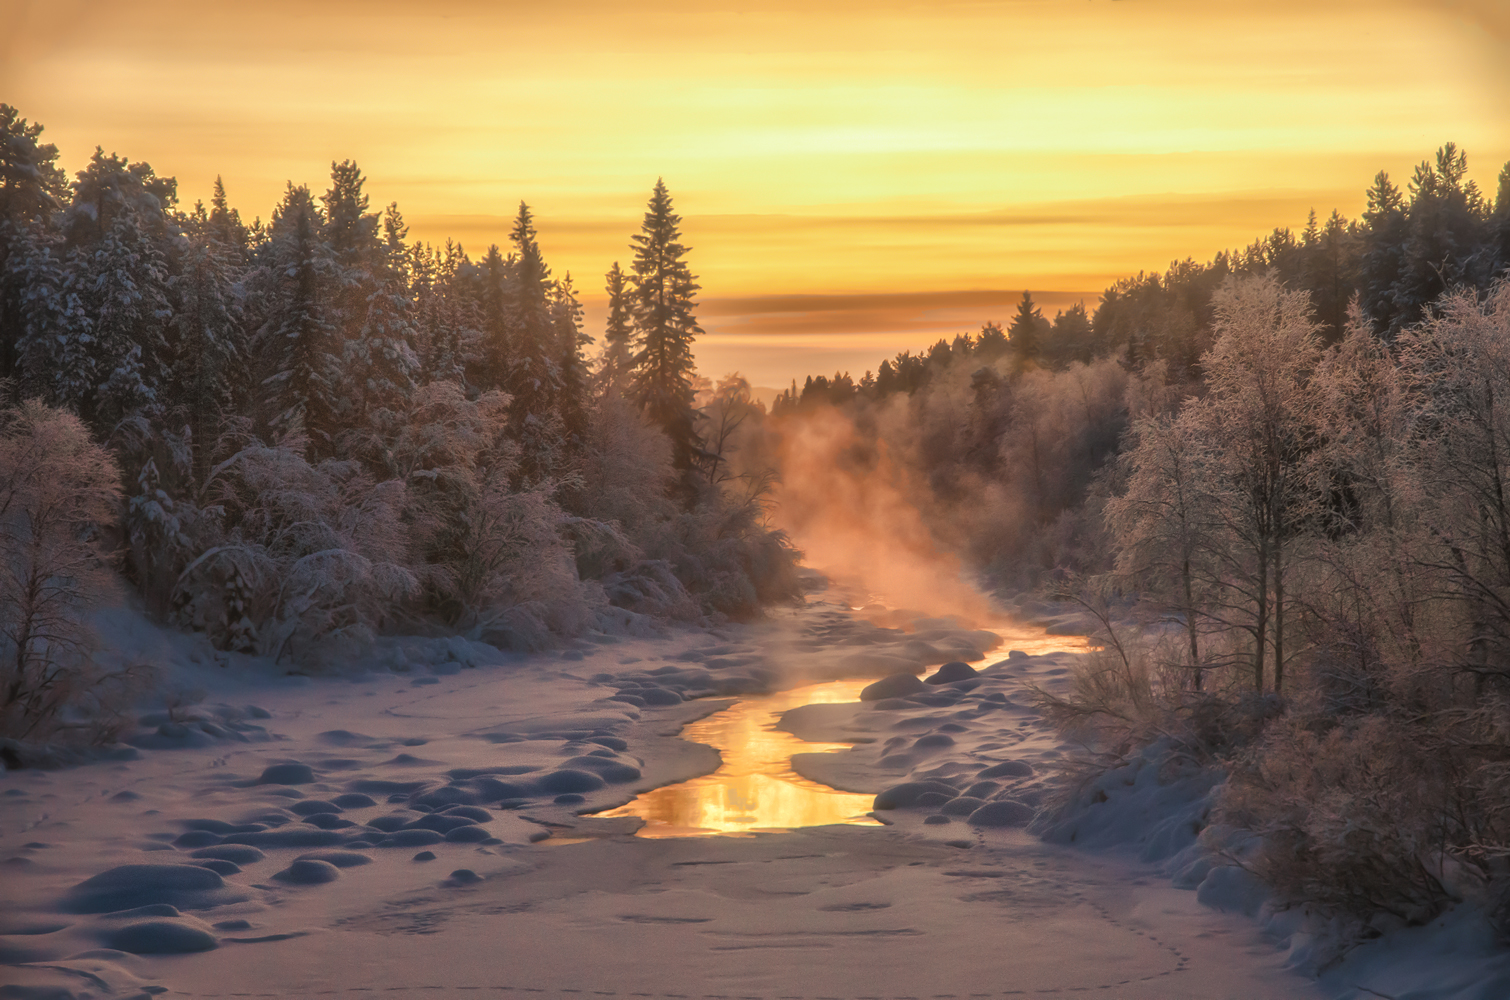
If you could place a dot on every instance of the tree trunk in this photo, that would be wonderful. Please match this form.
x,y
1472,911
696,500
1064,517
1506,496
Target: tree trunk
x,y
1279,616
1195,652
1261,615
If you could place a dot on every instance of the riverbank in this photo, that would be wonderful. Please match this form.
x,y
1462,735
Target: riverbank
x,y
412,826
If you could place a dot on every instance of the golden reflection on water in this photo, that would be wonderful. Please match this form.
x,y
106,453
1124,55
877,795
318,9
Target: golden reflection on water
x,y
1031,640
756,788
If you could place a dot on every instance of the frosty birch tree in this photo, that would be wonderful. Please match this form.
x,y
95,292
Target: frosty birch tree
x,y
1258,415
1162,524
1461,358
56,487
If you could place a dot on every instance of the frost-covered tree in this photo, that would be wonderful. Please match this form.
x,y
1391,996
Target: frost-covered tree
x,y
1163,524
297,339
571,340
207,369
303,552
445,318
122,280
1259,416
491,556
32,188
535,378
369,302
57,489
1460,361
664,297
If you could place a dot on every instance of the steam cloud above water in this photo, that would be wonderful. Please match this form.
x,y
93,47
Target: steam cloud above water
x,y
848,506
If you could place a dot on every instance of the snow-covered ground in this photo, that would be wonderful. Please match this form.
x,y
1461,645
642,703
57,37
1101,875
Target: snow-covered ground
x,y
415,826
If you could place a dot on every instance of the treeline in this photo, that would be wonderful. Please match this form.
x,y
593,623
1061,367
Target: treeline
x,y
1285,468
325,427
1012,428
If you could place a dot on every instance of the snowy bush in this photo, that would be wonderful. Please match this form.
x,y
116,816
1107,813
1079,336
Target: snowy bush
x,y
1381,814
491,554
57,489
304,552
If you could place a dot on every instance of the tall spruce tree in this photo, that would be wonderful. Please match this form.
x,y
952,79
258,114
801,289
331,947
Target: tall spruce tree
x,y
618,334
535,373
1383,254
297,337
32,187
566,312
1023,334
664,291
488,368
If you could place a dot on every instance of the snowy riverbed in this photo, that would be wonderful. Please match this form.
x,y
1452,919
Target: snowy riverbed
x,y
418,827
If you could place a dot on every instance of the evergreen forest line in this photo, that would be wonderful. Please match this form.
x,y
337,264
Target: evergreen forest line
x,y
314,429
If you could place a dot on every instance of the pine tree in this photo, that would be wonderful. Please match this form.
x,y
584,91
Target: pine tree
x,y
1383,243
992,342
369,302
618,335
566,313
225,221
664,290
1499,226
444,316
1072,334
488,366
123,282
207,372
534,378
32,187
296,334
1023,334
1444,235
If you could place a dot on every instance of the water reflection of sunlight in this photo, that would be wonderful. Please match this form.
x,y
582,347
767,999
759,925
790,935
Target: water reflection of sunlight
x,y
755,789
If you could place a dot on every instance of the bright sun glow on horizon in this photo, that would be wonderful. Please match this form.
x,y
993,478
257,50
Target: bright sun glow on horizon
x,y
886,150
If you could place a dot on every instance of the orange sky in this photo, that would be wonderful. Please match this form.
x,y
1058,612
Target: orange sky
x,y
880,148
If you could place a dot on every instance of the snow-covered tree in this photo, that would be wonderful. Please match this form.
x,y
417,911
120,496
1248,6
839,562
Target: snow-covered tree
x,y
32,188
122,280
1163,523
296,340
57,489
1259,416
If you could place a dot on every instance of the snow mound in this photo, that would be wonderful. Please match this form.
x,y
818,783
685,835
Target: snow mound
x,y
126,887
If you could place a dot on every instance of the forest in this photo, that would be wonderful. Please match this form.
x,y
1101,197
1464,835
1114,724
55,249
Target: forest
x,y
1278,482
311,430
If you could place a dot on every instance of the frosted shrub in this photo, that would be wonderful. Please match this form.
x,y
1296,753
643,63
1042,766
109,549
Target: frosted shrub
x,y
1360,819
1136,690
305,552
726,556
57,488
622,500
491,554
715,554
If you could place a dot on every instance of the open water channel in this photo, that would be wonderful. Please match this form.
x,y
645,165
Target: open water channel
x,y
755,789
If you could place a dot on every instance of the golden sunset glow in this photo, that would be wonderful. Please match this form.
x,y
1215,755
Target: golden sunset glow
x,y
812,149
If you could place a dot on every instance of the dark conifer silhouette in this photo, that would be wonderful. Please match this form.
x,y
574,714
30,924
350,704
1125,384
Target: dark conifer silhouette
x,y
664,290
